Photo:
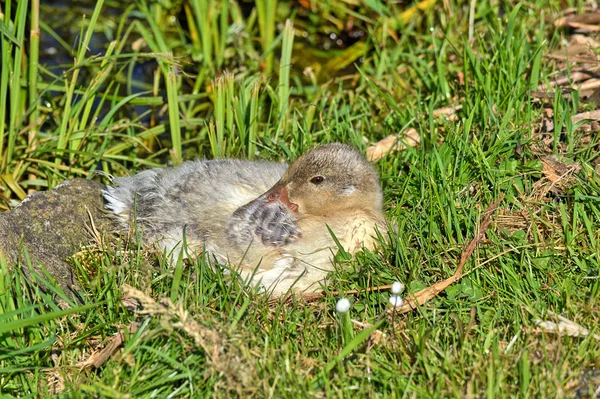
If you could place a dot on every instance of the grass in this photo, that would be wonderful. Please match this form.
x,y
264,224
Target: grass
x,y
243,83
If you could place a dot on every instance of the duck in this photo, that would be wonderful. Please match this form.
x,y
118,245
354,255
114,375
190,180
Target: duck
x,y
278,226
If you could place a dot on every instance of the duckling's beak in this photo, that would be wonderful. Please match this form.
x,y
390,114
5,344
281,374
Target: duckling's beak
x,y
280,192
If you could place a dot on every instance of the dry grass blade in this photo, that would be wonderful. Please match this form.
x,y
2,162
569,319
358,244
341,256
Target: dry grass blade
x,y
425,295
173,317
581,27
548,95
228,362
562,325
590,84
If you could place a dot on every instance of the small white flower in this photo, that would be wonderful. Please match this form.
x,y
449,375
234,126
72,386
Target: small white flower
x,y
396,301
343,305
397,287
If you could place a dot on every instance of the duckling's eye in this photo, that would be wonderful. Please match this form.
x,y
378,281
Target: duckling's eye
x,y
317,180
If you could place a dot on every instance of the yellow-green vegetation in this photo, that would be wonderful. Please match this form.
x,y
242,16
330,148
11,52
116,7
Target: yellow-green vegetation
x,y
120,86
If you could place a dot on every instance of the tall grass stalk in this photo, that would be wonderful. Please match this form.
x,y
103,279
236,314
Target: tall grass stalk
x,y
158,44
285,67
209,26
222,32
89,97
68,124
267,11
34,49
245,106
223,125
17,93
204,12
253,116
5,57
173,105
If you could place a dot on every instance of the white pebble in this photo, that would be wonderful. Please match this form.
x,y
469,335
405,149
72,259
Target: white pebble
x,y
343,305
397,287
396,301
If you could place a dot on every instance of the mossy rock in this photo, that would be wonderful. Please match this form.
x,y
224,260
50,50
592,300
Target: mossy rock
x,y
52,226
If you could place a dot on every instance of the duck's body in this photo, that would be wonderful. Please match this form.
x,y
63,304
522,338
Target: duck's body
x,y
263,218
198,197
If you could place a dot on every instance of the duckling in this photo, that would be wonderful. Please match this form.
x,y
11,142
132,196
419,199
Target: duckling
x,y
274,224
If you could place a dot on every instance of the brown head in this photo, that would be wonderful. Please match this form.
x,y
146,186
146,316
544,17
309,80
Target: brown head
x,y
328,179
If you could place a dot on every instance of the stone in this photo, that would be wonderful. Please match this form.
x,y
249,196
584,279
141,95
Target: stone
x,y
53,225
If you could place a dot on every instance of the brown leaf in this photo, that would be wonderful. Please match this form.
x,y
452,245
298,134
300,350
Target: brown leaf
x,y
558,172
588,41
448,111
392,143
547,125
591,115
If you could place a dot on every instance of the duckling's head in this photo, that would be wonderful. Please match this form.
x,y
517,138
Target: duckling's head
x,y
328,179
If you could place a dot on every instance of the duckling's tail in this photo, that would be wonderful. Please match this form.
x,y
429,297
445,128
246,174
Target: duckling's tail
x,y
120,198
117,201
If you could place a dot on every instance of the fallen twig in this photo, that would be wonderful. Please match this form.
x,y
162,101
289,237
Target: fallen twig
x,y
423,296
588,20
